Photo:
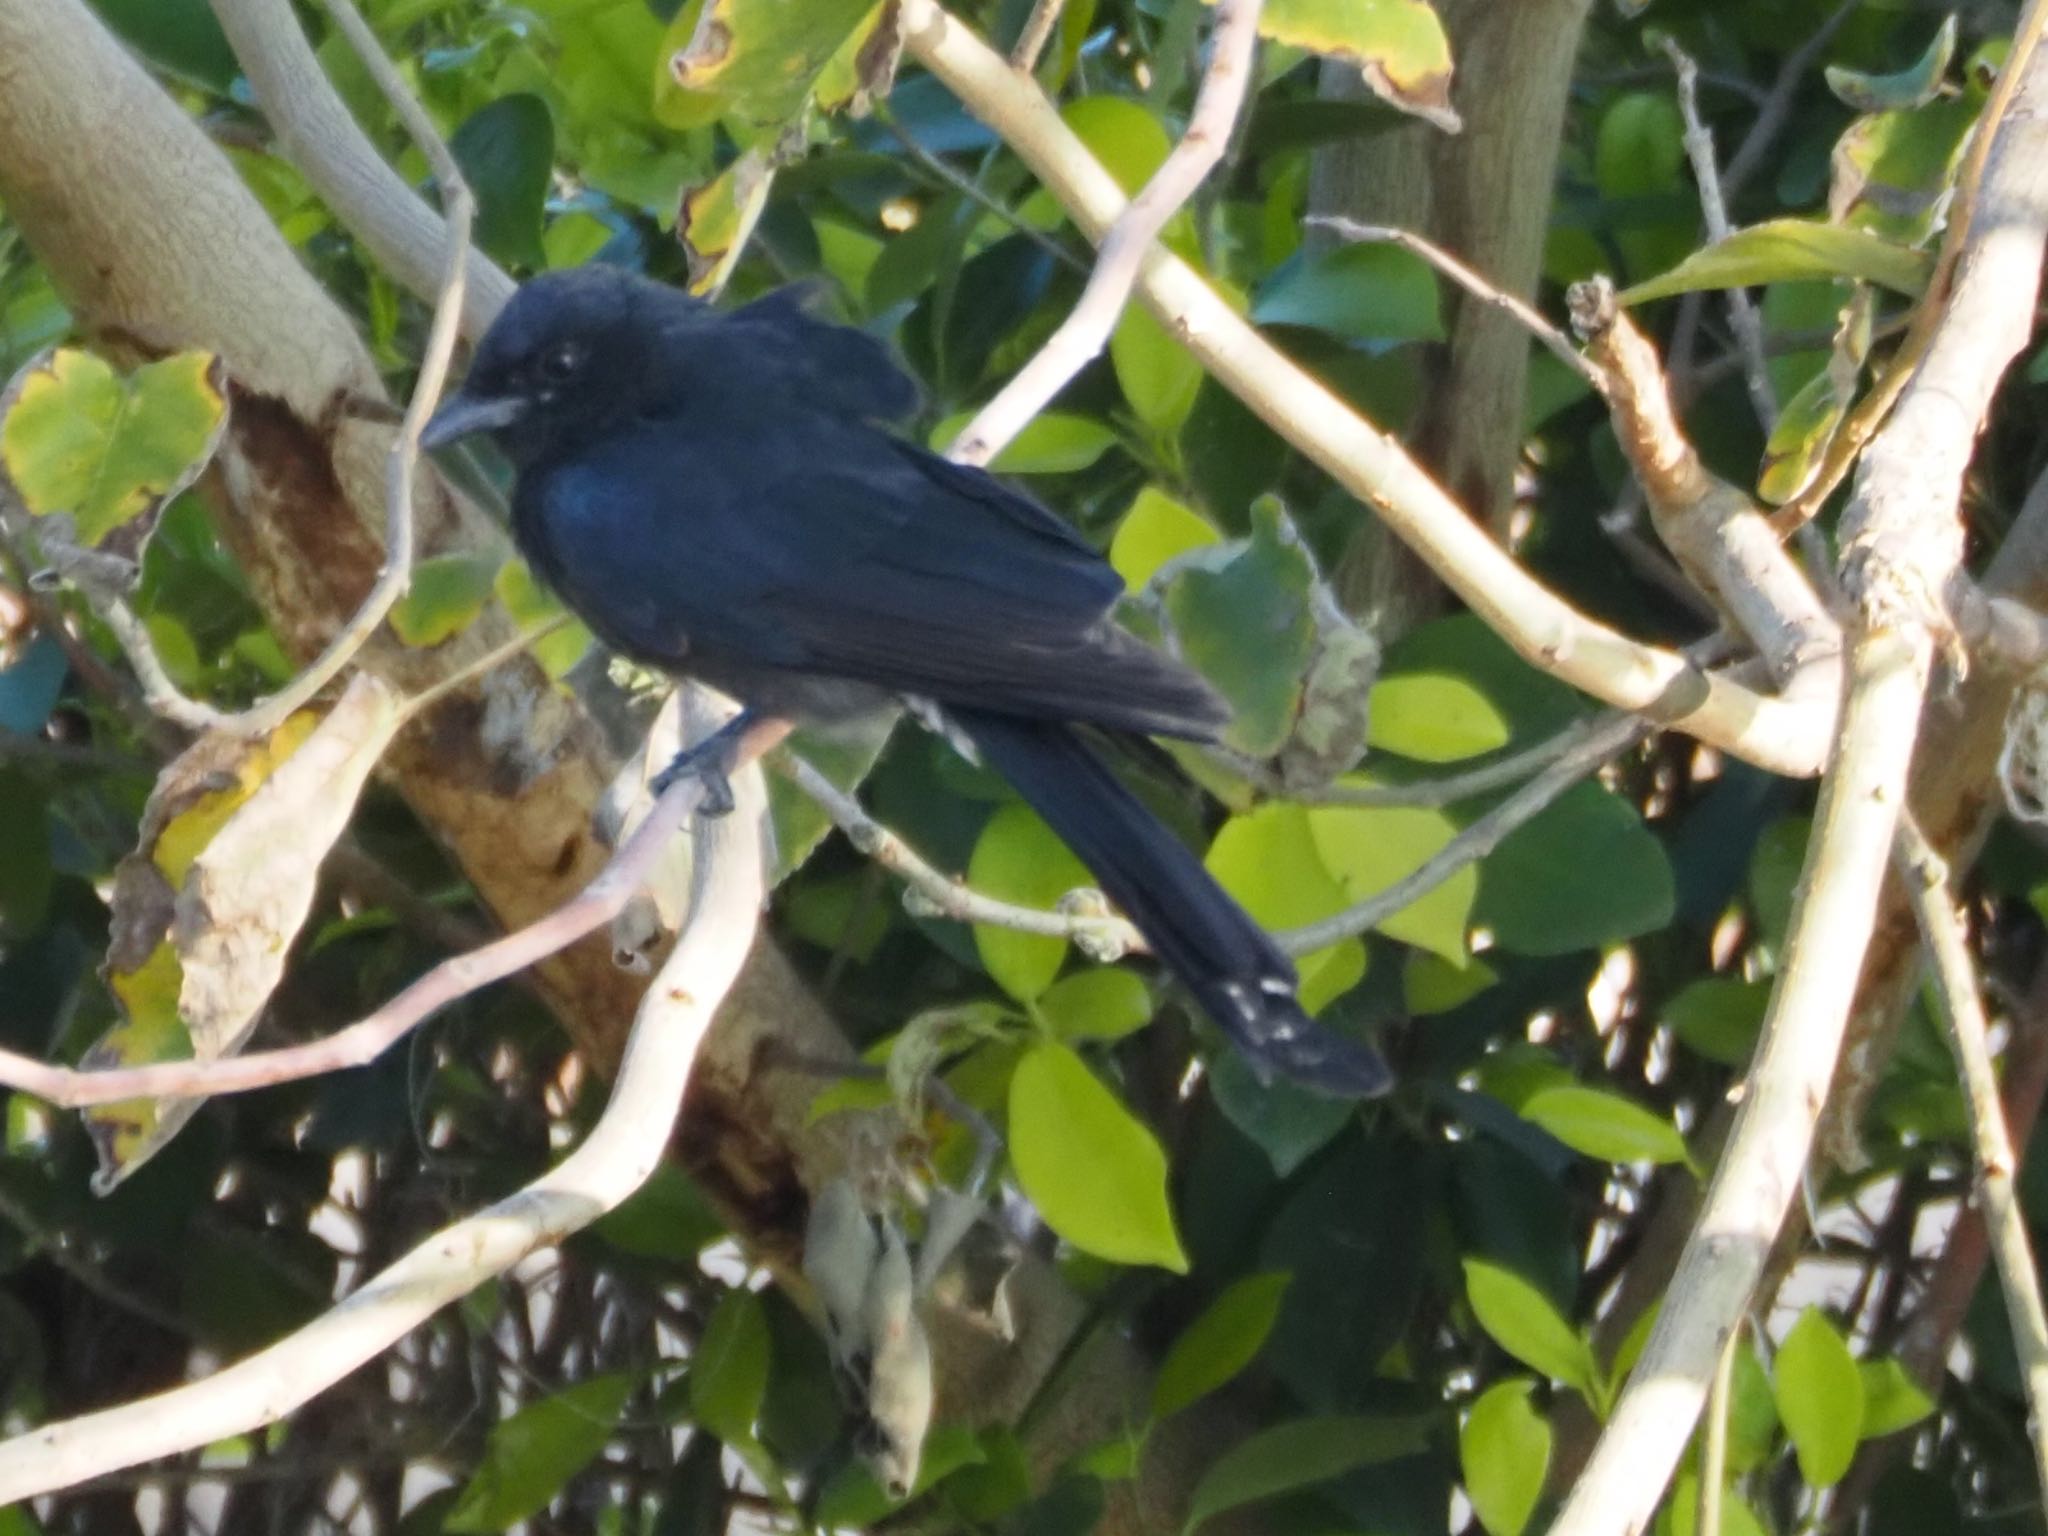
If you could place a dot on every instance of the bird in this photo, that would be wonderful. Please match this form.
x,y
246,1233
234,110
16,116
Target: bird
x,y
723,494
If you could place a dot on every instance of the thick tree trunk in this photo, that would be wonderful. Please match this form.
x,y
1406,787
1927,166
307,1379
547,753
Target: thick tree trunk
x,y
1486,195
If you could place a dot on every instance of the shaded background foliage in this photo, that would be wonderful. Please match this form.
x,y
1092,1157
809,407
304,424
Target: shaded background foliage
x,y
1417,1310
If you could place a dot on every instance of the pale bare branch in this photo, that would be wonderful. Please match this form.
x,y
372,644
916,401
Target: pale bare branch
x,y
1085,332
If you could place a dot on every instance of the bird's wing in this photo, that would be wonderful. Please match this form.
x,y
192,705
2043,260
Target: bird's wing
x,y
839,551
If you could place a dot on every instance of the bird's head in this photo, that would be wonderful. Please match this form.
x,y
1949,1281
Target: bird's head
x,y
569,356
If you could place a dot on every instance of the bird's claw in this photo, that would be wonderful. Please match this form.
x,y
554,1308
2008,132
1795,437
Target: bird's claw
x,y
710,765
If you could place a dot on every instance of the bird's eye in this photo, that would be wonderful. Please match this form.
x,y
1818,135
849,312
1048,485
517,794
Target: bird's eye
x,y
559,364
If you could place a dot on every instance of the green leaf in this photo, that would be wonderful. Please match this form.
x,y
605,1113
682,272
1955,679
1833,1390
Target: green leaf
x,y
1289,1123
1268,860
666,1218
1158,375
729,1368
527,603
1360,292
1432,984
1787,250
1820,1398
1894,172
1399,46
1299,1455
1682,1509
1638,151
853,1501
1094,1171
1774,869
1220,1343
1371,847
507,153
446,595
1521,1320
109,451
1583,874
1605,1126
25,872
758,60
1752,1413
1154,531
1892,1399
1105,1003
1052,443
1503,1454
1019,859
1913,86
1719,1017
1800,439
1242,615
529,1457
1122,133
1434,717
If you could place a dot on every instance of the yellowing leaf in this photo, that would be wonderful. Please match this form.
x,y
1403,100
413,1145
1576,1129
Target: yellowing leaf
x,y
1399,45
108,451
758,60
1094,1171
185,836
714,219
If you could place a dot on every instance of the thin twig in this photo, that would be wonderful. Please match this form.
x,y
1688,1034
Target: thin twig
x,y
1862,423
936,167
628,1141
1524,313
1614,733
623,875
1101,935
1714,1444
1776,108
1742,313
1045,15
458,209
1084,333
1428,794
1955,982
1786,735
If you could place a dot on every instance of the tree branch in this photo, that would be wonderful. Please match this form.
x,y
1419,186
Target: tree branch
x,y
318,135
1084,333
625,1145
624,876
1787,735
1903,545
1955,979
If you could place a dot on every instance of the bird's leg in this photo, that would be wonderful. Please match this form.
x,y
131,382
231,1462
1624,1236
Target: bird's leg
x,y
711,762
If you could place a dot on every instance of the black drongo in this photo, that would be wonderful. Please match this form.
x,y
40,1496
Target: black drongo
x,y
717,495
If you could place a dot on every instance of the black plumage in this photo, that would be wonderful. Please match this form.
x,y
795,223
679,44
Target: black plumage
x,y
717,494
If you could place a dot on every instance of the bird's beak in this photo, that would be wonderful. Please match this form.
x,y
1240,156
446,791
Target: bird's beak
x,y
463,415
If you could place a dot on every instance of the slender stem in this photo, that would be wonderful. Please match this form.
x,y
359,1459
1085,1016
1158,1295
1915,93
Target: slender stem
x,y
1955,982
1084,333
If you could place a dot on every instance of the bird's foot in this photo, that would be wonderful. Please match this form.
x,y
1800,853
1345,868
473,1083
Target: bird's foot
x,y
710,762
